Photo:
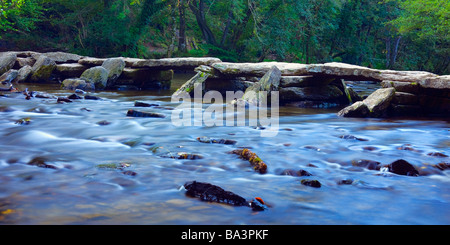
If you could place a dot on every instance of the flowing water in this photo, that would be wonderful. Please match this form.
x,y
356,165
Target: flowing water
x,y
82,186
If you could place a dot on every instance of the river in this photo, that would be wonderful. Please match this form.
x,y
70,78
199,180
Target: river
x,y
119,173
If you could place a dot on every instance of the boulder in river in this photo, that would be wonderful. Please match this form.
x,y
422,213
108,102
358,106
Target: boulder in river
x,y
375,105
114,66
379,101
75,83
268,83
42,69
7,61
9,76
97,75
23,74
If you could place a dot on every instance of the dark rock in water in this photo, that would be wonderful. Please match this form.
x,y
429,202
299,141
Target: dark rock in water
x,y
292,172
345,182
403,167
103,123
40,162
63,99
44,95
351,137
257,204
189,156
130,173
75,97
143,104
407,147
437,154
91,97
369,164
133,113
442,165
312,183
205,139
212,193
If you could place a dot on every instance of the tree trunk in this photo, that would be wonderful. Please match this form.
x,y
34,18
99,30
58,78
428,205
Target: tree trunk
x,y
227,28
199,12
182,32
388,52
394,55
238,29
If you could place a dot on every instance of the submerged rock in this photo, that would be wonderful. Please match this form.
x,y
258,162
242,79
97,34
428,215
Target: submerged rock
x,y
312,183
437,154
75,83
133,113
291,172
40,162
212,193
351,137
143,104
205,139
369,164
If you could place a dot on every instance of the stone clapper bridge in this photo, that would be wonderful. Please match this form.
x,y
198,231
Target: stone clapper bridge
x,y
403,93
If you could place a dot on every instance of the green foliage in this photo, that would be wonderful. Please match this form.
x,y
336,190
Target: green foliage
x,y
394,34
20,15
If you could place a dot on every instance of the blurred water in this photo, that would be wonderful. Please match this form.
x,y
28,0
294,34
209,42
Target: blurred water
x,y
80,191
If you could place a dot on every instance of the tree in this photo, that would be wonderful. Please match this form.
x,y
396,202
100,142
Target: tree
x,y
19,15
426,27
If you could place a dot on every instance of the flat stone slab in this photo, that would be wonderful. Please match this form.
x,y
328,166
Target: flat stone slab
x,y
259,69
174,63
354,72
70,69
59,57
333,69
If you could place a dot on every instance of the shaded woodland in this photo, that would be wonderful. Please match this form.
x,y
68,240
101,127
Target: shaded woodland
x,y
382,34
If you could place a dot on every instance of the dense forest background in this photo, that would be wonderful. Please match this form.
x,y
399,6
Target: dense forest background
x,y
383,34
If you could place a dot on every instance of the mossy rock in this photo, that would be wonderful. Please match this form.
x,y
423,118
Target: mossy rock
x,y
97,75
42,69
